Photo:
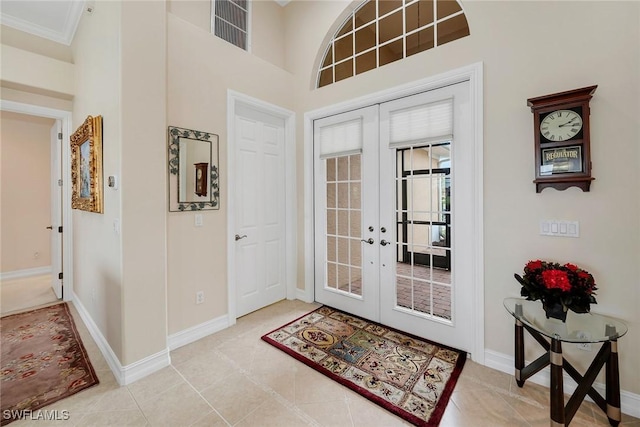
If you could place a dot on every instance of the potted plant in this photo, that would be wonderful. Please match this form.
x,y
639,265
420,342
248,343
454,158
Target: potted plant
x,y
559,287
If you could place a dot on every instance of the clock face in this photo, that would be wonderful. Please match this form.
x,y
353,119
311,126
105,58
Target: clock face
x,y
561,125
199,173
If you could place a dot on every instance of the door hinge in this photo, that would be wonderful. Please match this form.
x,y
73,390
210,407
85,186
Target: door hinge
x,y
60,136
60,229
60,276
59,183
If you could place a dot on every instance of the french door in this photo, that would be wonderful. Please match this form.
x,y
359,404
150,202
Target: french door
x,y
394,223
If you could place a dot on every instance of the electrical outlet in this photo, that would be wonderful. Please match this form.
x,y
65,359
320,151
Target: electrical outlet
x,y
36,255
199,297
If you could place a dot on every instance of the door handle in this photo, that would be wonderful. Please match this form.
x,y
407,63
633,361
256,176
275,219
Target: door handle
x,y
369,241
238,237
50,227
384,242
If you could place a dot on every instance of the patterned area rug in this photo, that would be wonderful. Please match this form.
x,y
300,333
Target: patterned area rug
x,y
409,376
43,361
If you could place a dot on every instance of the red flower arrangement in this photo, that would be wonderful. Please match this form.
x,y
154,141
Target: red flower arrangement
x,y
553,283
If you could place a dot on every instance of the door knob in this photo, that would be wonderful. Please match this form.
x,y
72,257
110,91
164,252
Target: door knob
x,y
50,227
238,237
369,241
384,242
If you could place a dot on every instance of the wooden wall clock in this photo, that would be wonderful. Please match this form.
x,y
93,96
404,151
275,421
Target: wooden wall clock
x,y
202,171
562,139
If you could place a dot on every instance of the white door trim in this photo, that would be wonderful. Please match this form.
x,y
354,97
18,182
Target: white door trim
x,y
235,99
474,74
67,235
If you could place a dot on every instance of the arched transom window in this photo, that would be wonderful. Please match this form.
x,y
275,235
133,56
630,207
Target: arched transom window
x,y
379,32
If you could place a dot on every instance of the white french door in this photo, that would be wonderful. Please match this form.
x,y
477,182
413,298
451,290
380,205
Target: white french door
x,y
394,217
346,192
260,247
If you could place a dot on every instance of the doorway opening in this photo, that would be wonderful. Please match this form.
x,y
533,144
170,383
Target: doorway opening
x,y
59,225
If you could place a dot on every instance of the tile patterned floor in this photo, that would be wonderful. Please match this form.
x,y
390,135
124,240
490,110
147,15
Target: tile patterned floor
x,y
232,378
416,293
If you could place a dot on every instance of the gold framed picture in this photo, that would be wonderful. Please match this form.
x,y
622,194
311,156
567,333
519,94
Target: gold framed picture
x,y
86,166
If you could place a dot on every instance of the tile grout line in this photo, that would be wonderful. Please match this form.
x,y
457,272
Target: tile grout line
x,y
502,391
202,397
286,403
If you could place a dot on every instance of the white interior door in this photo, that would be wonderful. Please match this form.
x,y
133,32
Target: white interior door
x,y
414,198
259,210
56,208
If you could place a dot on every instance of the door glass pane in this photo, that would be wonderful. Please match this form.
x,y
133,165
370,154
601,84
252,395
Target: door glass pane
x,y
344,224
423,231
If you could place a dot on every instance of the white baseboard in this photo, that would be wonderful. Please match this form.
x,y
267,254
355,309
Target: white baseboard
x,y
28,272
143,367
629,402
194,333
303,295
124,374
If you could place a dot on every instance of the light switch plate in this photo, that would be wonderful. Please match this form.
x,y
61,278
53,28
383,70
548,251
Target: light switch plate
x,y
198,220
559,228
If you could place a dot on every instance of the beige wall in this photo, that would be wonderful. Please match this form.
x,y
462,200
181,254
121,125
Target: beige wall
x,y
23,97
24,69
198,80
267,26
117,273
25,191
144,178
41,46
520,62
97,249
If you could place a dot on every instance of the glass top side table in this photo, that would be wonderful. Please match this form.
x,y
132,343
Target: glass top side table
x,y
579,328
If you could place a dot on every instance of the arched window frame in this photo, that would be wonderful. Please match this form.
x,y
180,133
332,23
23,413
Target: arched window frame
x,y
351,52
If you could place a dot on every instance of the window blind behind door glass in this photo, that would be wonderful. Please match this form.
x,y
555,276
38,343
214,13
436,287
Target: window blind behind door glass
x,y
341,139
431,122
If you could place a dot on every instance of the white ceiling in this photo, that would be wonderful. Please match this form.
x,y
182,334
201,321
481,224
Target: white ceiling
x,y
54,20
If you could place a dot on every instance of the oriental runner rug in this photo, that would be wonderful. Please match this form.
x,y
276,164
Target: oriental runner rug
x,y
409,376
42,361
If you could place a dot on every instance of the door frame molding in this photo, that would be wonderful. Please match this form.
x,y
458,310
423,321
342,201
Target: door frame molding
x,y
472,73
67,236
235,99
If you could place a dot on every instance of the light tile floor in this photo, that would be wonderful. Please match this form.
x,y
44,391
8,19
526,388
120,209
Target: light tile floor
x,y
233,378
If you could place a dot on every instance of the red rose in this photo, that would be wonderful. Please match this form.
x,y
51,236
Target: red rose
x,y
571,267
556,279
534,265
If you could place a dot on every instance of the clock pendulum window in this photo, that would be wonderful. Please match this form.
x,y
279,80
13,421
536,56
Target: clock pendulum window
x,y
562,139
